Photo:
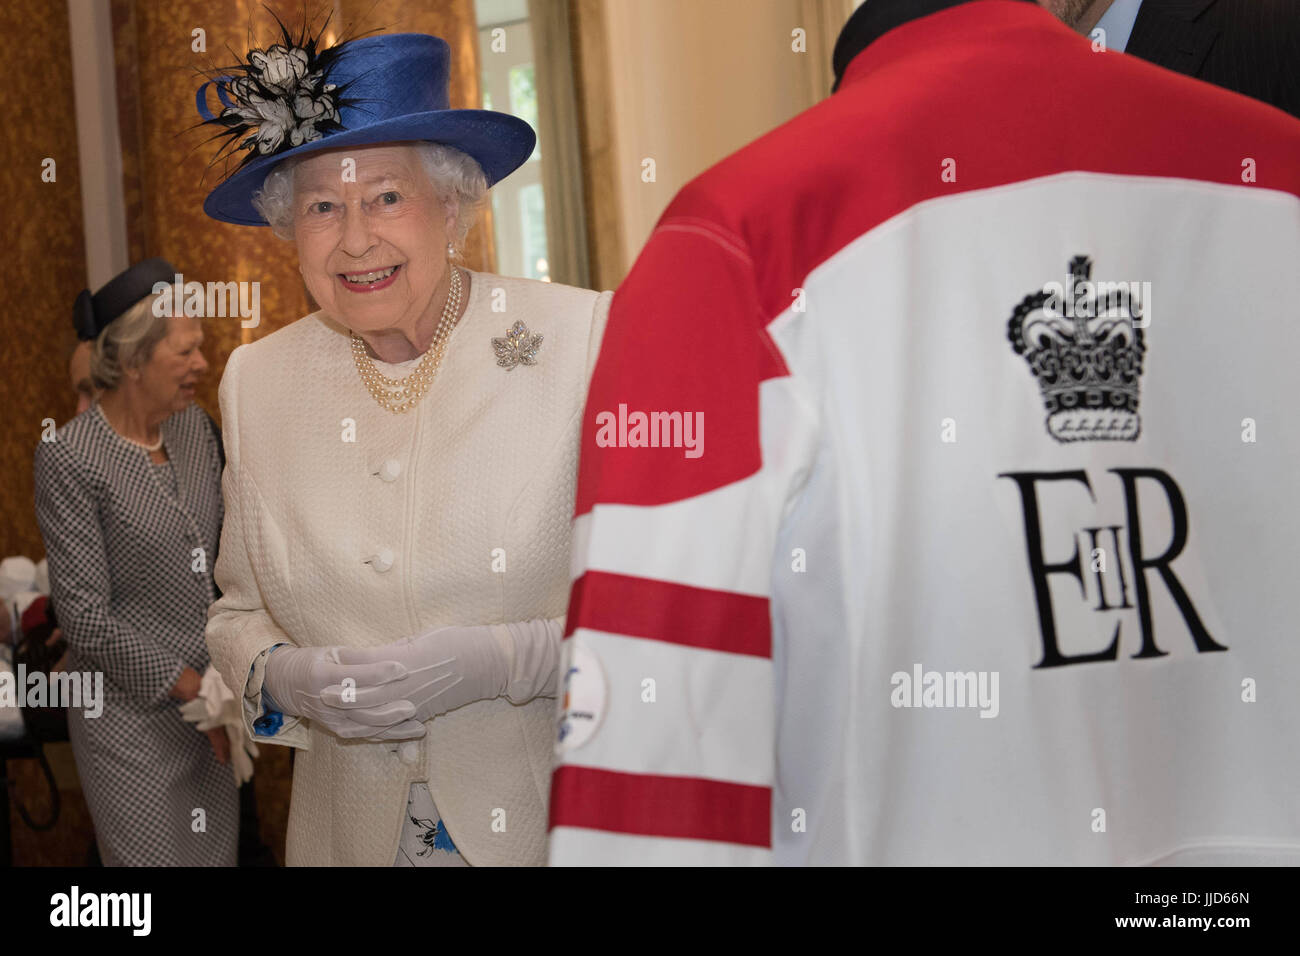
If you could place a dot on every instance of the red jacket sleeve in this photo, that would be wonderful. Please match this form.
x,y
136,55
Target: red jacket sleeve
x,y
666,732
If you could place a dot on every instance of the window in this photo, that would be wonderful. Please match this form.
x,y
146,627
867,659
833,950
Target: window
x,y
509,84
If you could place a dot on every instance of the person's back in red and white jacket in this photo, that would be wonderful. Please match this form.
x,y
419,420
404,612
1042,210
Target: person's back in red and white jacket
x,y
936,561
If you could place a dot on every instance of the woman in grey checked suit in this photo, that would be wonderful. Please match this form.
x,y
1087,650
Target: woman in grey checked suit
x,y
128,497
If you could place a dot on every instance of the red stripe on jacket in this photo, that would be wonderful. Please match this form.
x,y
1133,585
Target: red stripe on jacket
x,y
650,805
674,613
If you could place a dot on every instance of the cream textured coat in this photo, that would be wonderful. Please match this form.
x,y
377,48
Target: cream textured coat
x,y
360,540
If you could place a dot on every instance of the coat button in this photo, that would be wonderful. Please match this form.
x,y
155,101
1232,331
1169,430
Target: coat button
x,y
390,470
382,561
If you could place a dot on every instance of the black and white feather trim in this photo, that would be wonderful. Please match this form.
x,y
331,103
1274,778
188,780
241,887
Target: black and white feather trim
x,y
279,98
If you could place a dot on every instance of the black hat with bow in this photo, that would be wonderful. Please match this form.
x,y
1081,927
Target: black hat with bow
x,y
92,313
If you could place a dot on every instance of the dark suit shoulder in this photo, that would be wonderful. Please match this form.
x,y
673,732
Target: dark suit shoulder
x,y
1247,46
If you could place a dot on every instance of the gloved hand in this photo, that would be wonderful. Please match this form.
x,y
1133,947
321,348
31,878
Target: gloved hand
x,y
454,666
216,712
308,682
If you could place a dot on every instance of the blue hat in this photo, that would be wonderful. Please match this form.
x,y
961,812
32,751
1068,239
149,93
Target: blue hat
x,y
293,100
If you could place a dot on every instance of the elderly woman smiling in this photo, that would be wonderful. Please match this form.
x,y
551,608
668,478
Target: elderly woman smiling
x,y
400,468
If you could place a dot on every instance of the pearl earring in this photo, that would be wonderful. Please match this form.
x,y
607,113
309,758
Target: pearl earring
x,y
451,250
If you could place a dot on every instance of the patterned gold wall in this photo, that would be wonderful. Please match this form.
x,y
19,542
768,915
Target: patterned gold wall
x,y
45,252
42,228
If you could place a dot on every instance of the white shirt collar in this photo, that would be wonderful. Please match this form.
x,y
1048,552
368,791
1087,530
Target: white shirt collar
x,y
1118,23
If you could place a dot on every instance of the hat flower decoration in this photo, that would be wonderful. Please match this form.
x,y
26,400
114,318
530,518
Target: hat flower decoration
x,y
281,97
283,72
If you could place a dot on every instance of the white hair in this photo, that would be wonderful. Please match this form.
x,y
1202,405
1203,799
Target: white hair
x,y
457,177
125,343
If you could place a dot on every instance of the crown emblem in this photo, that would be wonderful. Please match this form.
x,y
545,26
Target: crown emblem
x,y
1083,342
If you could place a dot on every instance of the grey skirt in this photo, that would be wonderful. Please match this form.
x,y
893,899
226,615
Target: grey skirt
x,y
157,794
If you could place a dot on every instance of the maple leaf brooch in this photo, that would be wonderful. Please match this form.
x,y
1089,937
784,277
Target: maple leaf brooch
x,y
518,347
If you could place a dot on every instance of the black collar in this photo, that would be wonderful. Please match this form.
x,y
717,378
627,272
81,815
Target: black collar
x,y
873,20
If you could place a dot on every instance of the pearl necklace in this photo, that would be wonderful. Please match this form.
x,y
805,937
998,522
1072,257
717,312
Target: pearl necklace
x,y
404,394
138,444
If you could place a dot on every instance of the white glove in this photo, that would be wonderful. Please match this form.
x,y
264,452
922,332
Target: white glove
x,y
454,666
216,707
308,682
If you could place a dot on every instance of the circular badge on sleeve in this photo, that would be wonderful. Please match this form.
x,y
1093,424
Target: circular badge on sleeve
x,y
582,696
